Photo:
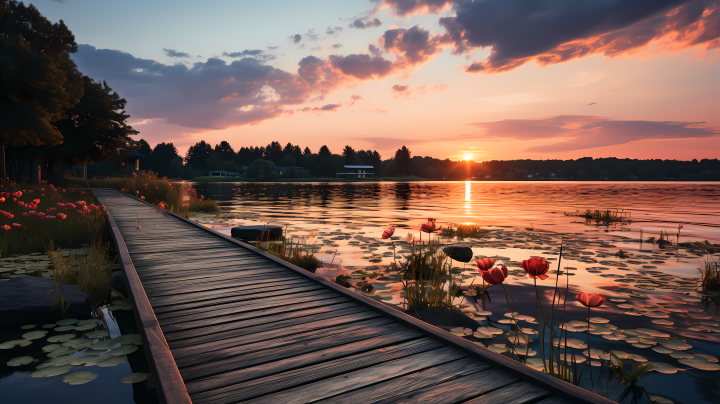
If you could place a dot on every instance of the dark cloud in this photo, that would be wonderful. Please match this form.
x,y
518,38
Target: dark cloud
x,y
363,67
374,50
175,54
586,132
409,7
273,47
296,38
415,45
399,88
553,31
337,46
365,22
333,30
328,107
256,53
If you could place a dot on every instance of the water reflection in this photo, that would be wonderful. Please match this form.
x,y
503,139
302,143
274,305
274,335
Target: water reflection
x,y
650,288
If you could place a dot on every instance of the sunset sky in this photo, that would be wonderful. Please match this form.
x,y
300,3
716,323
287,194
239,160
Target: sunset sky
x,y
494,79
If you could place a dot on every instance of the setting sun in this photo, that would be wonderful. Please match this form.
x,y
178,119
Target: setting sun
x,y
468,157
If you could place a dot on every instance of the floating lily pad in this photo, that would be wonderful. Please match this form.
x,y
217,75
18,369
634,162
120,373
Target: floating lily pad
x,y
662,350
51,347
111,361
638,358
102,345
662,322
63,360
63,350
64,328
28,327
51,371
599,320
682,355
710,358
81,377
78,343
98,334
49,325
675,344
61,338
20,360
660,400
663,367
16,342
85,327
34,335
67,321
498,348
135,377
653,333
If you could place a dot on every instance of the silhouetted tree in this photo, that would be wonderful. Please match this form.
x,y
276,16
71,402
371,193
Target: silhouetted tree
x,y
273,152
165,159
350,156
198,154
402,161
324,151
307,151
224,151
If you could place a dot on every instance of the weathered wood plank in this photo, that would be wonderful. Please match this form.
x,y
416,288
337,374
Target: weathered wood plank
x,y
361,378
516,393
264,379
455,390
228,291
411,382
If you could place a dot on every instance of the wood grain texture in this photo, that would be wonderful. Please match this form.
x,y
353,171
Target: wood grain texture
x,y
516,393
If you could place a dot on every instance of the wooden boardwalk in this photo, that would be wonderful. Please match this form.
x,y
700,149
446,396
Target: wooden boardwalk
x,y
228,323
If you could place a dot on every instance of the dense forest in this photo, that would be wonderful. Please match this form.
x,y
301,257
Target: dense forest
x,y
260,163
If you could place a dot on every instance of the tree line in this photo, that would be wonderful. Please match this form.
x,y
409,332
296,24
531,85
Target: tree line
x,y
49,111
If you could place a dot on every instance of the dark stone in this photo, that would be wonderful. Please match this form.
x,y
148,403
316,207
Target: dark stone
x,y
442,317
253,233
28,299
118,283
459,253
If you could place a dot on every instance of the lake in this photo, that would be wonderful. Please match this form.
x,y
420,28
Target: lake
x,y
654,312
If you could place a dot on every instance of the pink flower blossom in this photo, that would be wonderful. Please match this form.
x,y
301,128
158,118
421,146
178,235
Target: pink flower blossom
x,y
61,215
6,227
16,225
49,217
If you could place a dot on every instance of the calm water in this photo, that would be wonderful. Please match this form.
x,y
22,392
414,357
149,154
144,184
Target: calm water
x,y
652,292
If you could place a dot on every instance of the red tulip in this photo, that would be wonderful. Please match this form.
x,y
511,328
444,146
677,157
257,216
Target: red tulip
x,y
388,232
61,215
2,199
495,275
484,264
17,224
142,197
428,227
536,267
6,227
591,299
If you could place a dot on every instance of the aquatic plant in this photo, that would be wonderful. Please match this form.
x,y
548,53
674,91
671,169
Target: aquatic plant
x,y
292,252
91,272
630,379
710,276
603,217
590,300
424,275
463,231
158,190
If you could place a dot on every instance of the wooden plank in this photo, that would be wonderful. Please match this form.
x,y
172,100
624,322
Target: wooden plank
x,y
259,281
411,382
215,342
168,381
333,386
220,275
174,317
453,391
220,300
244,290
229,360
516,393
225,323
272,377
554,400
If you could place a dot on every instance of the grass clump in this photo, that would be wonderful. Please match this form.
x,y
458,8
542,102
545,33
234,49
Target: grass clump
x,y
92,272
463,231
603,217
425,274
157,191
710,277
294,253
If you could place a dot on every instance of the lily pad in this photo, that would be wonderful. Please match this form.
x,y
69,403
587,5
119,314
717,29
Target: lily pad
x,y
81,377
638,358
28,327
662,350
34,335
51,371
98,334
675,344
599,320
85,327
67,321
51,347
16,342
61,338
663,367
20,360
64,328
135,377
128,349
49,325
111,361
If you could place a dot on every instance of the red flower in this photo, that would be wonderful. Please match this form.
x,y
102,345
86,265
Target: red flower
x,y
590,299
61,215
484,264
2,199
17,224
6,227
388,232
142,197
428,227
536,267
495,275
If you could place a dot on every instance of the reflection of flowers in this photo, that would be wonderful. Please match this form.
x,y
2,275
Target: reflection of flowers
x,y
536,267
388,232
591,299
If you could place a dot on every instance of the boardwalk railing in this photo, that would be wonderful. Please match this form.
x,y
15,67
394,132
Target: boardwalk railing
x,y
169,384
170,378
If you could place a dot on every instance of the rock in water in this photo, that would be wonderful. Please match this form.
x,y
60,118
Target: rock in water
x,y
26,299
252,233
459,253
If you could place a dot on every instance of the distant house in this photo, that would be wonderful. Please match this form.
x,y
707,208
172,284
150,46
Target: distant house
x,y
223,174
132,161
357,172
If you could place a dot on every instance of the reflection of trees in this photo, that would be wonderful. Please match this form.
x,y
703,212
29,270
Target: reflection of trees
x,y
402,195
